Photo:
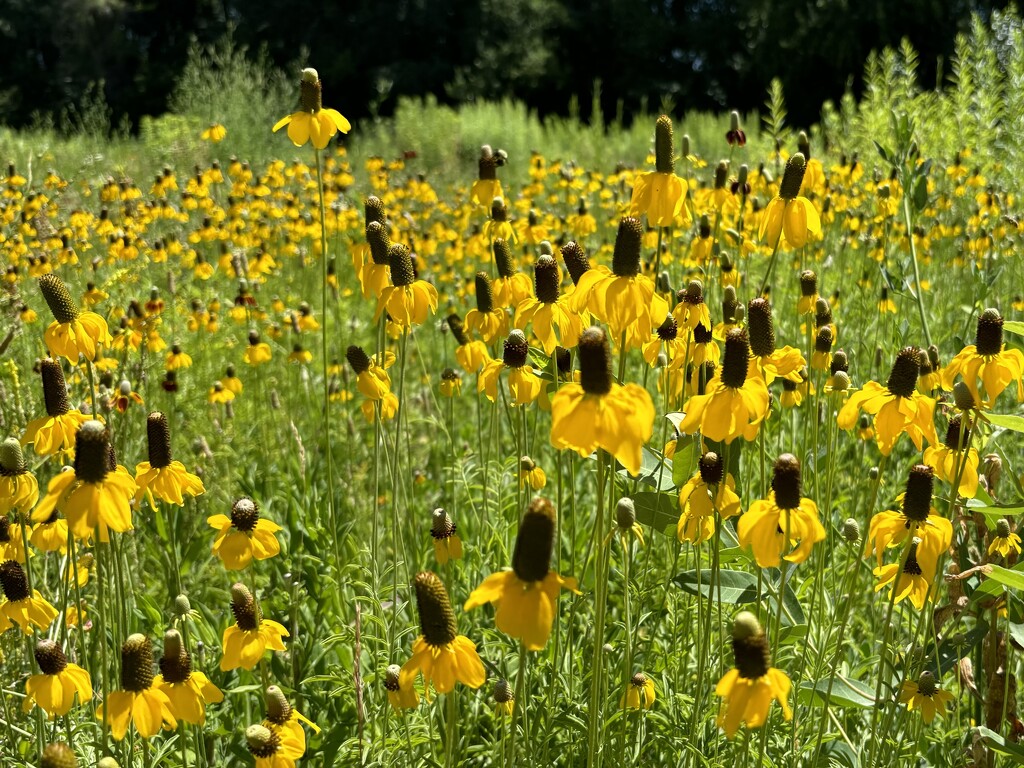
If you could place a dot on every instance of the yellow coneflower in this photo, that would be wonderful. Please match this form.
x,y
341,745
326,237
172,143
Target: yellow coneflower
x,y
917,518
177,359
312,121
599,413
735,401
911,577
245,536
138,701
660,194
400,698
710,488
1004,542
72,332
773,363
523,383
217,394
789,216
748,689
187,689
60,755
639,693
407,300
447,544
55,431
55,689
373,382
161,476
487,187
504,698
96,493
374,273
256,352
554,322
512,287
498,227
821,358
282,716
691,310
486,320
451,383
245,641
214,133
956,453
526,596
898,407
440,654
808,292
625,299
125,397
530,474
471,354
19,489
785,520
987,360
273,747
925,696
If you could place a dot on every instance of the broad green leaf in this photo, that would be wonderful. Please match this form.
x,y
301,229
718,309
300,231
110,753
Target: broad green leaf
x,y
1013,423
1014,326
657,510
954,648
845,692
997,743
737,587
921,193
1014,579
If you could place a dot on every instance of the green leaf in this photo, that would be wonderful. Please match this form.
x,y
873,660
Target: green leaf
x,y
737,587
845,692
657,510
683,461
886,154
651,471
954,648
921,193
992,513
1014,326
1013,423
997,743
1014,579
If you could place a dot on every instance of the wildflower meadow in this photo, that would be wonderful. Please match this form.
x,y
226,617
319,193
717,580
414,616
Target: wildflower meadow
x,y
467,438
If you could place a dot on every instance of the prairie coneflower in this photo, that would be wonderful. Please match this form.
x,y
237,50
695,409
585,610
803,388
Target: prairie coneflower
x,y
773,363
125,397
487,187
177,359
19,489
625,299
399,697
808,292
987,360
735,400
691,309
471,354
373,382
917,518
530,474
187,689
789,215
523,383
214,133
639,693
498,227
282,716
486,320
553,322
22,607
273,747
93,494
911,577
55,431
504,698
312,121
256,352
407,300
898,407
59,682
60,755
440,654
599,413
710,488
447,544
375,273
512,287
748,689
138,701
525,597
72,332
660,194
925,696
451,383
168,480
1004,541
245,641
245,536
956,455
772,526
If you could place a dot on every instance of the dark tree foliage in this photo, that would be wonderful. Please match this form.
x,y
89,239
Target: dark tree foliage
x,y
707,54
